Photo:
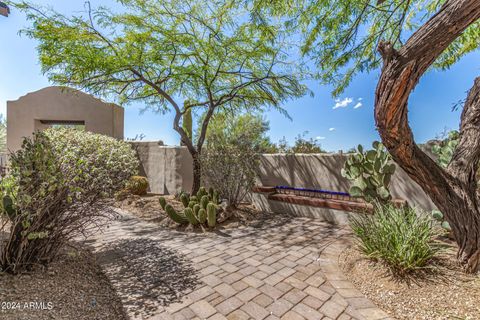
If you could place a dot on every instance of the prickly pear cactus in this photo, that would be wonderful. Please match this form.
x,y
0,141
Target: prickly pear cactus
x,y
371,172
444,151
438,216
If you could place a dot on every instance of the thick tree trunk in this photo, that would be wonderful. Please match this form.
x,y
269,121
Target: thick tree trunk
x,y
197,173
453,190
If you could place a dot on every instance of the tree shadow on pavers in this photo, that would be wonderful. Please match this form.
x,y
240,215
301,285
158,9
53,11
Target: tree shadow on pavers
x,y
287,231
146,274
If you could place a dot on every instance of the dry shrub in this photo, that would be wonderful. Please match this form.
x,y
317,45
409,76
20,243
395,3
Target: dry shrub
x,y
230,168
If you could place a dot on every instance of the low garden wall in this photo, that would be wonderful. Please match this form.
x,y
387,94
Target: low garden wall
x,y
169,170
322,171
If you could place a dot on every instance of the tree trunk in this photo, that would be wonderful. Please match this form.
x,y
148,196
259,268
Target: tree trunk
x,y
197,173
452,190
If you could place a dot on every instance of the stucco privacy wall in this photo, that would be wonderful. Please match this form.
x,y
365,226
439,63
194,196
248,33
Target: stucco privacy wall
x,y
37,110
322,171
169,170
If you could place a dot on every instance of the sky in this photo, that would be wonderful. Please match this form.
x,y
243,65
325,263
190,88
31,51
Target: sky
x,y
336,123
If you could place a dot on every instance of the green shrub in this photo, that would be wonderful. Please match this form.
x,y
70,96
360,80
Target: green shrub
x,y
56,191
398,237
137,185
100,161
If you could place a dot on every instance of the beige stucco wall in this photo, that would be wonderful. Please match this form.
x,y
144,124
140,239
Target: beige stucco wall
x,y
168,169
24,115
322,171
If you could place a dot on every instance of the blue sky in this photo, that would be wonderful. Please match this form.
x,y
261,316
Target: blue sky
x,y
336,128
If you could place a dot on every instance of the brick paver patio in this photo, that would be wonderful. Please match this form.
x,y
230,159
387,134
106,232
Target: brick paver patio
x,y
282,269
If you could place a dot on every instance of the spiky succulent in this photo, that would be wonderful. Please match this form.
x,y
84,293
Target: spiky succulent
x,y
371,172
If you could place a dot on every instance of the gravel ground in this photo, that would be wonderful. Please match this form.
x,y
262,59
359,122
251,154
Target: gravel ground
x,y
74,287
148,208
445,293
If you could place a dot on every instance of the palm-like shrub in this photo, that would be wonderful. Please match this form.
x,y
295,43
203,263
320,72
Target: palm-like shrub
x,y
398,237
59,182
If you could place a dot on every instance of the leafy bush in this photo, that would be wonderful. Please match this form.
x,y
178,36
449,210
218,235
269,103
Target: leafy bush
x,y
137,185
57,189
104,163
398,237
302,145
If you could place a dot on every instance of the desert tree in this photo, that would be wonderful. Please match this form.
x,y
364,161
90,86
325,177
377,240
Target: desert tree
x,y
405,38
180,56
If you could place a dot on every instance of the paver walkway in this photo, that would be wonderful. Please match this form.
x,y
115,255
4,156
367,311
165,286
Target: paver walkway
x,y
282,269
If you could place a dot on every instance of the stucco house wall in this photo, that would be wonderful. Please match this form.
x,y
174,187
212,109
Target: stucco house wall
x,y
37,110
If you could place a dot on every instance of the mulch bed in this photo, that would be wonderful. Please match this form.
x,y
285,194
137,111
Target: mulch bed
x,y
148,208
73,287
445,292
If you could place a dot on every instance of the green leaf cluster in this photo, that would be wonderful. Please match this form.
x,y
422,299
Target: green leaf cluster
x,y
401,238
342,36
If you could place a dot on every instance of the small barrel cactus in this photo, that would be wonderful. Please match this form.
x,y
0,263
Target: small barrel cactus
x,y
202,216
175,216
371,172
137,185
199,209
211,215
184,199
190,216
163,202
196,208
204,202
201,192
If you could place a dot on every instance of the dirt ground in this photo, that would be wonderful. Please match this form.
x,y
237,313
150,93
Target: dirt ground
x,y
148,208
446,292
73,287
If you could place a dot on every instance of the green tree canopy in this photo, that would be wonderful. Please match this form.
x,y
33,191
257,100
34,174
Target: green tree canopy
x,y
226,128
342,36
171,55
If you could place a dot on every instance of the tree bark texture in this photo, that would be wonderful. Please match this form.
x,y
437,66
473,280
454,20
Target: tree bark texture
x,y
453,190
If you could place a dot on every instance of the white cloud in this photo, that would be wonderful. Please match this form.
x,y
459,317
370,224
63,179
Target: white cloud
x,y
332,129
358,105
360,99
320,138
342,103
